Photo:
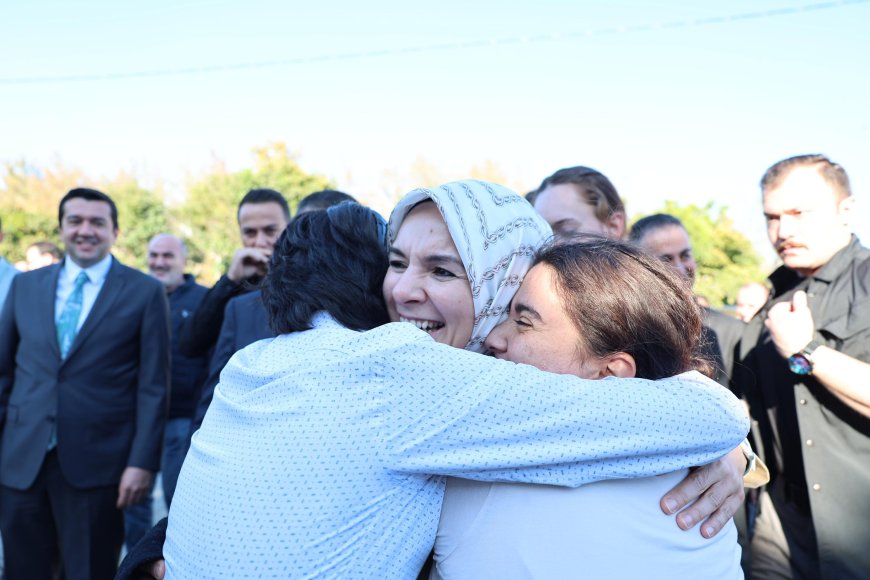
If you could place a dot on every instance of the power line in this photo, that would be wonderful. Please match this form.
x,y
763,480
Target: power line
x,y
472,44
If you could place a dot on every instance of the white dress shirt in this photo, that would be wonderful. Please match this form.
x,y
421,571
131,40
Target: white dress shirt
x,y
66,283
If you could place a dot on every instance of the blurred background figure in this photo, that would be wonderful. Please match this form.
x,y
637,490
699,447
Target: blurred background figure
x,y
167,261
262,216
41,254
665,237
750,298
580,200
7,272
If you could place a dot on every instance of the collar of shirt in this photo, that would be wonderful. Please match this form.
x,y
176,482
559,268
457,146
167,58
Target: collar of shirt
x,y
96,274
322,319
784,279
838,261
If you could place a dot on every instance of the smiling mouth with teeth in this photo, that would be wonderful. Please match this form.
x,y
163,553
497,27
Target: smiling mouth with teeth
x,y
425,325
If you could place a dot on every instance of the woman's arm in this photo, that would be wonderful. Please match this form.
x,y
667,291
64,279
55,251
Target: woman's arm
x,y
461,414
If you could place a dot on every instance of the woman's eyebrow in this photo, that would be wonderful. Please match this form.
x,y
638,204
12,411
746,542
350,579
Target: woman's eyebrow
x,y
443,258
521,308
397,251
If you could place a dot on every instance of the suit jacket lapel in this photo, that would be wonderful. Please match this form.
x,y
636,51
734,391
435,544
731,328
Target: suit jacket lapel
x,y
46,294
112,288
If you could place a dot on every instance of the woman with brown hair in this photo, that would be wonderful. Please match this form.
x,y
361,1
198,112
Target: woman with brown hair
x,y
595,309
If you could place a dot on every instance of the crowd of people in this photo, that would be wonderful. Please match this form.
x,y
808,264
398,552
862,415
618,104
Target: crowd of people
x,y
325,409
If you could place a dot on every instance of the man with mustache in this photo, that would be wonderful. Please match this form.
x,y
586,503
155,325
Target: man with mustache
x,y
806,375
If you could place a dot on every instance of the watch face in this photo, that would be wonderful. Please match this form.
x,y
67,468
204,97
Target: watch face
x,y
800,365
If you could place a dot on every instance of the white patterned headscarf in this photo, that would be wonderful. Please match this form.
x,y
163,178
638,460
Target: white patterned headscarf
x,y
496,233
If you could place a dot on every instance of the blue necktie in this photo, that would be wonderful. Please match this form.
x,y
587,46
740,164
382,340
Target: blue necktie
x,y
67,324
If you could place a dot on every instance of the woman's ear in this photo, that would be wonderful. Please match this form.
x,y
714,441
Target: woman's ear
x,y
619,364
616,225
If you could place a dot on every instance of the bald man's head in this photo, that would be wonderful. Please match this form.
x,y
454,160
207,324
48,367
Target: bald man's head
x,y
167,259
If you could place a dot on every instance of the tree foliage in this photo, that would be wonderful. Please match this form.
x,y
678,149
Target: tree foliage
x,y
206,219
726,258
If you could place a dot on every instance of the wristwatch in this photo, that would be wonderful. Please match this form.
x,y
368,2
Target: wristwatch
x,y
801,362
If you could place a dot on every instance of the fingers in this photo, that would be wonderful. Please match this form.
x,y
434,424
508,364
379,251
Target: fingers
x,y
247,262
157,570
123,496
715,507
714,524
128,494
799,300
687,490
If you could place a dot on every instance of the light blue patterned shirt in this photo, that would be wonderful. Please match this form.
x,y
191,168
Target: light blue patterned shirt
x,y
324,452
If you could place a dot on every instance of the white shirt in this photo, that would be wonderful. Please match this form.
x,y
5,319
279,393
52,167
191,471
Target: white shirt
x,y
66,283
608,529
323,453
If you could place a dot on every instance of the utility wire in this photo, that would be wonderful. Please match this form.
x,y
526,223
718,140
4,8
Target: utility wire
x,y
472,44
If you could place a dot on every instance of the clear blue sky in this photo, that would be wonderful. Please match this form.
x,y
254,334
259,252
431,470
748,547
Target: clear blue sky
x,y
691,112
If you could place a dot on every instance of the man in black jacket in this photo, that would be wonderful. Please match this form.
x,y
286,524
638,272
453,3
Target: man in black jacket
x,y
806,375
167,259
244,319
263,214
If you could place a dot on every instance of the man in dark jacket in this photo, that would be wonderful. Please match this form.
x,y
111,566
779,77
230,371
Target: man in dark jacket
x,y
805,373
244,319
167,259
263,214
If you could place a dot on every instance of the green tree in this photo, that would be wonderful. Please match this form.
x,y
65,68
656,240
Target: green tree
x,y
207,218
726,258
141,215
28,203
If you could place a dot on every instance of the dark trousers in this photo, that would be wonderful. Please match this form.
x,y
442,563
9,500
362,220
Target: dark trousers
x,y
52,519
784,540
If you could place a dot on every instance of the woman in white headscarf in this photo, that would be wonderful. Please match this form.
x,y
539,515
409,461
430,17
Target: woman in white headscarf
x,y
467,245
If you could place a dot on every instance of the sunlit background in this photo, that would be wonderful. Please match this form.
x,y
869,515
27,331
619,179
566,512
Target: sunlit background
x,y
677,100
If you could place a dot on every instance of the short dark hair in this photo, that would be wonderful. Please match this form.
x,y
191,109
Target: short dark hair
x,y
46,247
621,299
330,260
594,186
263,195
833,173
322,200
650,223
531,196
88,194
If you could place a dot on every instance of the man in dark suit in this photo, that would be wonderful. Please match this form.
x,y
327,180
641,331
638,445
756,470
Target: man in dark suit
x,y
84,374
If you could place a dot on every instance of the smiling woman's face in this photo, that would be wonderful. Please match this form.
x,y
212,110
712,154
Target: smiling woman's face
x,y
426,283
539,331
